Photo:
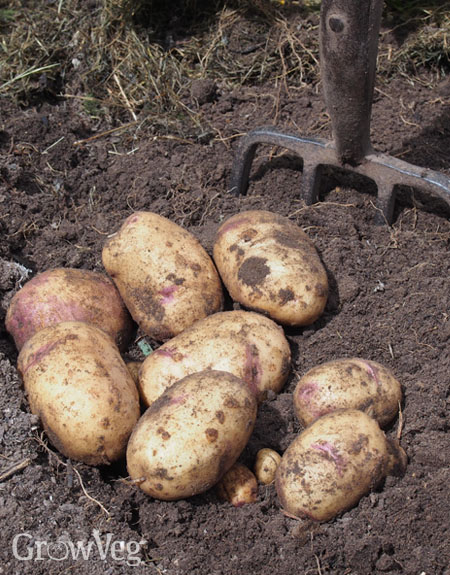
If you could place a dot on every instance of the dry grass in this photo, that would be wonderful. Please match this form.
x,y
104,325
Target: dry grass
x,y
134,60
422,30
117,66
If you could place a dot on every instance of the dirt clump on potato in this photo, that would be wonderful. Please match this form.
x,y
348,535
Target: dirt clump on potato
x,y
253,271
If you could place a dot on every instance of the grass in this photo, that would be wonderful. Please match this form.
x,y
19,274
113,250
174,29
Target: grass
x,y
6,15
422,31
136,59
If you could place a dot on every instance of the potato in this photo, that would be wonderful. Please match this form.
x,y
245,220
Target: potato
x,y
238,486
333,463
80,387
266,464
164,275
68,294
268,264
189,437
133,368
345,384
247,344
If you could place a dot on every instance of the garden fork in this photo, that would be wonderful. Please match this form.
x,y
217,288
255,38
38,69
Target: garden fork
x,y
348,51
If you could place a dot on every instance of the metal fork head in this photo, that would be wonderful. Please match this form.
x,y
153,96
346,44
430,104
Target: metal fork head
x,y
386,171
348,48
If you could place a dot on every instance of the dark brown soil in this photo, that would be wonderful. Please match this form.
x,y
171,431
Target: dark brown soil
x,y
389,302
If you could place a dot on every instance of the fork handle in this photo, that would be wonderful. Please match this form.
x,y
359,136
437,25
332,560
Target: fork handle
x,y
348,53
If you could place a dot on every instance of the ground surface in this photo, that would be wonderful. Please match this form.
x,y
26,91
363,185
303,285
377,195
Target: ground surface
x,y
389,301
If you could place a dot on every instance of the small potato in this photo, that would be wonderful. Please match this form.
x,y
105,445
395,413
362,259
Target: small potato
x,y
164,275
238,486
333,463
266,464
68,294
189,438
269,264
346,384
81,389
247,344
133,368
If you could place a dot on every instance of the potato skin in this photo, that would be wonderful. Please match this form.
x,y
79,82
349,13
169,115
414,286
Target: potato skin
x,y
163,274
68,294
81,389
247,344
189,437
333,463
133,368
345,384
238,486
269,264
266,464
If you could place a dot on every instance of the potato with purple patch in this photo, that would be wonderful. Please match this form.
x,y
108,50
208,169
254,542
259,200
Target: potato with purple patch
x,y
349,383
163,274
333,463
269,264
79,386
68,294
190,437
246,344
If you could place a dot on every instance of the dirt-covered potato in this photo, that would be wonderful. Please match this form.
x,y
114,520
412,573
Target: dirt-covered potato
x,y
164,275
238,486
133,368
333,463
269,264
266,464
189,437
345,384
79,386
247,344
68,294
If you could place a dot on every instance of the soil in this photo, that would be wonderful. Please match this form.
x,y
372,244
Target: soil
x,y
388,302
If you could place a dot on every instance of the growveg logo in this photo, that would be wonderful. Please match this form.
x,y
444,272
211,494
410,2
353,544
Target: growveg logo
x,y
26,547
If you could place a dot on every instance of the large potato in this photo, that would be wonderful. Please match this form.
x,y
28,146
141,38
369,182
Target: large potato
x,y
189,437
345,384
81,389
333,463
68,294
268,264
164,275
247,344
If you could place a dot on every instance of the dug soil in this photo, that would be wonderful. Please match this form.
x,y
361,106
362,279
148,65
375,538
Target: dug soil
x,y
67,182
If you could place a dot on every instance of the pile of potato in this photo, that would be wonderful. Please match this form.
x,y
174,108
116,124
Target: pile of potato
x,y
200,389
